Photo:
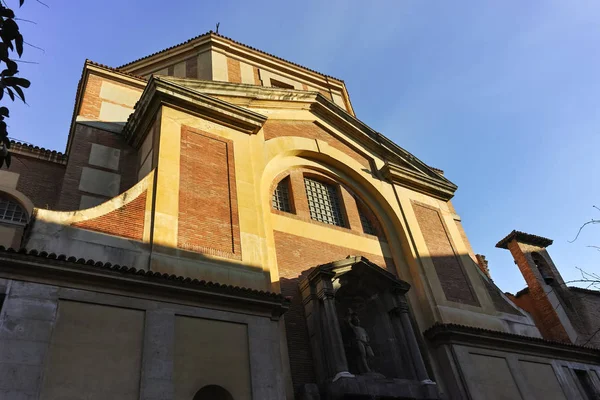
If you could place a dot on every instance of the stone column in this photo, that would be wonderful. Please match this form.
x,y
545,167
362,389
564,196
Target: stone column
x,y
402,321
335,345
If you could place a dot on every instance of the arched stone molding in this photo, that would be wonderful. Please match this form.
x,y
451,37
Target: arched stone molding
x,y
286,153
20,198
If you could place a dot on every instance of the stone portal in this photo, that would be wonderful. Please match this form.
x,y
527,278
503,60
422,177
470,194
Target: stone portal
x,y
361,333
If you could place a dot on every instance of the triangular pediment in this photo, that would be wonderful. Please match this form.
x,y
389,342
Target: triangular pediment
x,y
359,270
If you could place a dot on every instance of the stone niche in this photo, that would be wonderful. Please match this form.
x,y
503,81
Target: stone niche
x,y
361,334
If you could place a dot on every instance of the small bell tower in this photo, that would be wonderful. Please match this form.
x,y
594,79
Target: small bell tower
x,y
543,296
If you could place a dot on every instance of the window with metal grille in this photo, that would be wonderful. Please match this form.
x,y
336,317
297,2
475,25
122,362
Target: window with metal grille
x,y
323,202
367,226
281,196
10,211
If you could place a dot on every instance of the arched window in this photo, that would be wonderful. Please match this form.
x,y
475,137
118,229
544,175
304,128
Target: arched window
x,y
11,211
281,196
213,392
323,202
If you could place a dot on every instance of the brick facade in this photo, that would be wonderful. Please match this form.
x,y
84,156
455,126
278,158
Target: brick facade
x,y
208,210
234,70
91,102
448,266
127,221
543,312
83,138
295,256
311,130
38,179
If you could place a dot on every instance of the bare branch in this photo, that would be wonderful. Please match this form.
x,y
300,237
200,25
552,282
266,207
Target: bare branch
x,y
44,4
591,337
25,20
593,221
35,47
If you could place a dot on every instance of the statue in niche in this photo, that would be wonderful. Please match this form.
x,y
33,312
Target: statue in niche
x,y
358,338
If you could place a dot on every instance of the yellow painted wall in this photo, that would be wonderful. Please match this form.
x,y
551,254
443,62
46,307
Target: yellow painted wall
x,y
209,352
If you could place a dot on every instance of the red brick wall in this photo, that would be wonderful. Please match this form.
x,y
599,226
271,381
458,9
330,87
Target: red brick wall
x,y
81,146
295,256
349,203
92,102
127,221
257,80
208,211
191,67
454,280
234,70
39,180
310,130
538,304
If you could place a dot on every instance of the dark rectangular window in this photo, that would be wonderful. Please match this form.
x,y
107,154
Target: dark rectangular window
x,y
366,223
586,385
323,202
281,196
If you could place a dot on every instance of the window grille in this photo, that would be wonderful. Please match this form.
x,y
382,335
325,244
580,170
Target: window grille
x,y
10,211
323,202
281,196
366,223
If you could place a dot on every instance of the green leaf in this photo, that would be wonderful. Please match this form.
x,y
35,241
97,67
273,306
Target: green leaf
x,y
20,93
14,81
7,12
21,2
6,141
19,44
4,112
8,160
3,132
11,94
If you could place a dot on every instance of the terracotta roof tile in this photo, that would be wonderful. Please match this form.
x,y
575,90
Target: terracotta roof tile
x,y
123,269
524,238
112,69
211,33
40,152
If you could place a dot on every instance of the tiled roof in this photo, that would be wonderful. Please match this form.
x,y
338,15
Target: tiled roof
x,y
211,33
123,269
440,328
116,70
523,237
39,152
584,290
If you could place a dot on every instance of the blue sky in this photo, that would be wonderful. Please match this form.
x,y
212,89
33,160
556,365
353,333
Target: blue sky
x,y
501,95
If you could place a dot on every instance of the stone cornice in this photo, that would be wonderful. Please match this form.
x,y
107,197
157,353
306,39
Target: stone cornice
x,y
62,271
416,180
441,334
417,176
204,98
160,91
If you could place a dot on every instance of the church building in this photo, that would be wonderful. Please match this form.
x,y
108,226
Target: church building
x,y
222,226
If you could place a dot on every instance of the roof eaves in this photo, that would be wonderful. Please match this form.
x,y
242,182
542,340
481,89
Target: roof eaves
x,y
523,237
438,328
143,274
211,33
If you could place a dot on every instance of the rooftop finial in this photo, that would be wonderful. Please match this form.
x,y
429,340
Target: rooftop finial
x,y
218,23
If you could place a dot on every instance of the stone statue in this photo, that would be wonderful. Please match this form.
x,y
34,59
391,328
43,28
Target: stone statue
x,y
360,343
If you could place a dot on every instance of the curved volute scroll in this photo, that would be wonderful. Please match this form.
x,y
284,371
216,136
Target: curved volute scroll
x,y
361,332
